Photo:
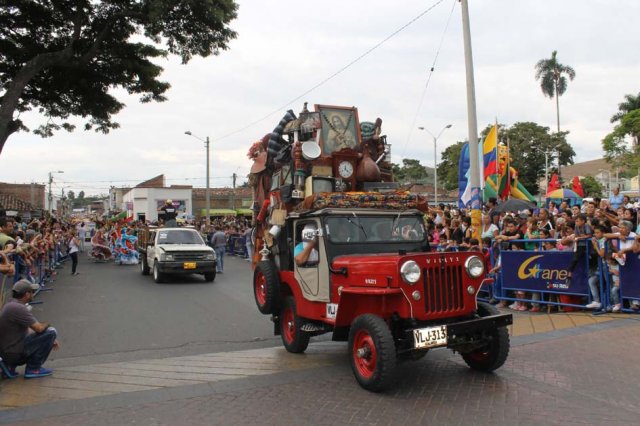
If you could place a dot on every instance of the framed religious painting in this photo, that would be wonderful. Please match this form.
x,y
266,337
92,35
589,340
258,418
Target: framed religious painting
x,y
340,128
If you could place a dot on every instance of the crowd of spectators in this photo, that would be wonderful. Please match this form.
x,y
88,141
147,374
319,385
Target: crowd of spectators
x,y
606,230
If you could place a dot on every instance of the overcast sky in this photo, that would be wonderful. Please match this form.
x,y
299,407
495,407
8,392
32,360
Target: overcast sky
x,y
285,47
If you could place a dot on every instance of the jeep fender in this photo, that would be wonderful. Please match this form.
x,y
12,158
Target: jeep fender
x,y
355,301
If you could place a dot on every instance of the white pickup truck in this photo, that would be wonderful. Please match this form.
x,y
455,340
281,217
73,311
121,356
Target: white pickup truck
x,y
175,251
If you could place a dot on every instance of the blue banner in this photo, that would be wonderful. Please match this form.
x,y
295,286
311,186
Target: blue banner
x,y
629,273
545,271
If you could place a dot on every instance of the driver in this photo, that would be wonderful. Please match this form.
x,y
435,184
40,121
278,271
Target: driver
x,y
305,251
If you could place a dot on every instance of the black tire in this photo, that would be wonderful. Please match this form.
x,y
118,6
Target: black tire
x,y
158,276
144,266
293,338
210,276
494,355
372,353
266,287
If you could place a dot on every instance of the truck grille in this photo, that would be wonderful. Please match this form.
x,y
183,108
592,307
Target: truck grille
x,y
188,255
443,288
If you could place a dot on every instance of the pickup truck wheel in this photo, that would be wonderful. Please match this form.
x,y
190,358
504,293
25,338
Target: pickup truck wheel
x,y
293,338
144,266
372,352
210,276
266,287
494,354
158,276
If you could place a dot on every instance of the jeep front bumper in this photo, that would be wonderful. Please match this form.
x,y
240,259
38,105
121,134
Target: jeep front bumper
x,y
461,336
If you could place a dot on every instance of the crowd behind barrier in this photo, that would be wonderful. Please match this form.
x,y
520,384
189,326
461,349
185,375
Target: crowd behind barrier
x,y
568,257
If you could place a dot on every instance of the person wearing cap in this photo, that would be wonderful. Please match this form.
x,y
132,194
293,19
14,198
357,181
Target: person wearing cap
x,y
23,339
170,214
305,251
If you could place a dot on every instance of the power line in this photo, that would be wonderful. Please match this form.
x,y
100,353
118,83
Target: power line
x,y
330,77
426,86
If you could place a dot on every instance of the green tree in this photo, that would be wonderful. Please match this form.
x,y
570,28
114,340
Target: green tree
x,y
621,147
591,187
410,171
71,195
553,79
81,197
65,58
629,104
448,167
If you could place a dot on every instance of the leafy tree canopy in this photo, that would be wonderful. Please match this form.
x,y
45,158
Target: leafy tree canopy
x,y
63,58
410,171
448,167
591,187
621,146
629,104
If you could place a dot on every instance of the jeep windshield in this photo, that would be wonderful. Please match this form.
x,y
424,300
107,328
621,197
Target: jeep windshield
x,y
179,237
375,229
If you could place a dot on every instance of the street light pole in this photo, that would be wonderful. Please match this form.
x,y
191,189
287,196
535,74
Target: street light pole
x,y
435,159
207,195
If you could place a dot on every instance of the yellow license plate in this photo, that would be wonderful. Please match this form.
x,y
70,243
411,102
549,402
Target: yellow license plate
x,y
189,265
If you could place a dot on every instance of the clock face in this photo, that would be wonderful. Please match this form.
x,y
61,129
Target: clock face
x,y
345,169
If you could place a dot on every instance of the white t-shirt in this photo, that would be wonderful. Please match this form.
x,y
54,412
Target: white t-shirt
x,y
73,247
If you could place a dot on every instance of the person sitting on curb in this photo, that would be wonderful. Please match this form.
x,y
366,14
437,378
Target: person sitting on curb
x,y
24,340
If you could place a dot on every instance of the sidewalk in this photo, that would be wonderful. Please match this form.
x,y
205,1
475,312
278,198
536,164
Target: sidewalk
x,y
80,382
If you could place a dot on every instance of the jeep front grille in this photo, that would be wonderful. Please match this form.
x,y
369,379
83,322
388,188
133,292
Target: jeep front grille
x,y
188,255
443,288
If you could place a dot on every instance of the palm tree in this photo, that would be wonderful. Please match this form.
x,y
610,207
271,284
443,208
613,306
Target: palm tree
x,y
553,79
630,103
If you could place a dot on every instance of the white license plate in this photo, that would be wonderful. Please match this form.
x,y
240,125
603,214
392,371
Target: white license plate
x,y
430,337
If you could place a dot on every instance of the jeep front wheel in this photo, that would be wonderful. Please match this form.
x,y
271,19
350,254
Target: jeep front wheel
x,y
293,338
266,285
494,354
372,352
210,276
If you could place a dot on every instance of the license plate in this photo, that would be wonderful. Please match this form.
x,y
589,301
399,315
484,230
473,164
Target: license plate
x,y
430,337
189,265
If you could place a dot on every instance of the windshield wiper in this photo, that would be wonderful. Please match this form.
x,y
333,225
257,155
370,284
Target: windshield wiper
x,y
359,225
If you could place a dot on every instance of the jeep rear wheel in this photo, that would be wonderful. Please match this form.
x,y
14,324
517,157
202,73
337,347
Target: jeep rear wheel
x,y
494,354
266,286
293,338
144,266
372,352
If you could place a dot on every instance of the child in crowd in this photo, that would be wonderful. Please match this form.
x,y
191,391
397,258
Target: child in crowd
x,y
614,271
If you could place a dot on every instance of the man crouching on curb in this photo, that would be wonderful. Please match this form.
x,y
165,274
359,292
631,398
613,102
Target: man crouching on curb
x,y
24,340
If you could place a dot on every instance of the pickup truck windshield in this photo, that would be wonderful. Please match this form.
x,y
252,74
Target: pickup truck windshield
x,y
377,229
179,237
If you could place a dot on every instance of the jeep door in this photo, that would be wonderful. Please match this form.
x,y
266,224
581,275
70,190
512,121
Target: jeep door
x,y
312,277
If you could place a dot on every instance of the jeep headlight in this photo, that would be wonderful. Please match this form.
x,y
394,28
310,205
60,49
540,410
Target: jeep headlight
x,y
166,257
210,256
474,266
410,272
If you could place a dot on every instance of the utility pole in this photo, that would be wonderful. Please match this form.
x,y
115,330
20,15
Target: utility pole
x,y
474,169
50,194
208,195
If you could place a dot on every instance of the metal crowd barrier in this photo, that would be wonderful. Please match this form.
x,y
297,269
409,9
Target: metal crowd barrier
x,y
545,272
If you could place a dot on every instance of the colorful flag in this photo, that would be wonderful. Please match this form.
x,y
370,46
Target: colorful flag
x,y
577,186
489,151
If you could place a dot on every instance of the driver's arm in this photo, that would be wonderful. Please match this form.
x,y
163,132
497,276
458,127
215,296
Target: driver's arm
x,y
302,257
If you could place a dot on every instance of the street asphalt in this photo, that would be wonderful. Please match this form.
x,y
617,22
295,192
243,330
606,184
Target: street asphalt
x,y
194,353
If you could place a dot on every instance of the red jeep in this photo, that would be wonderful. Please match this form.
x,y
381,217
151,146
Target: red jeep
x,y
374,282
